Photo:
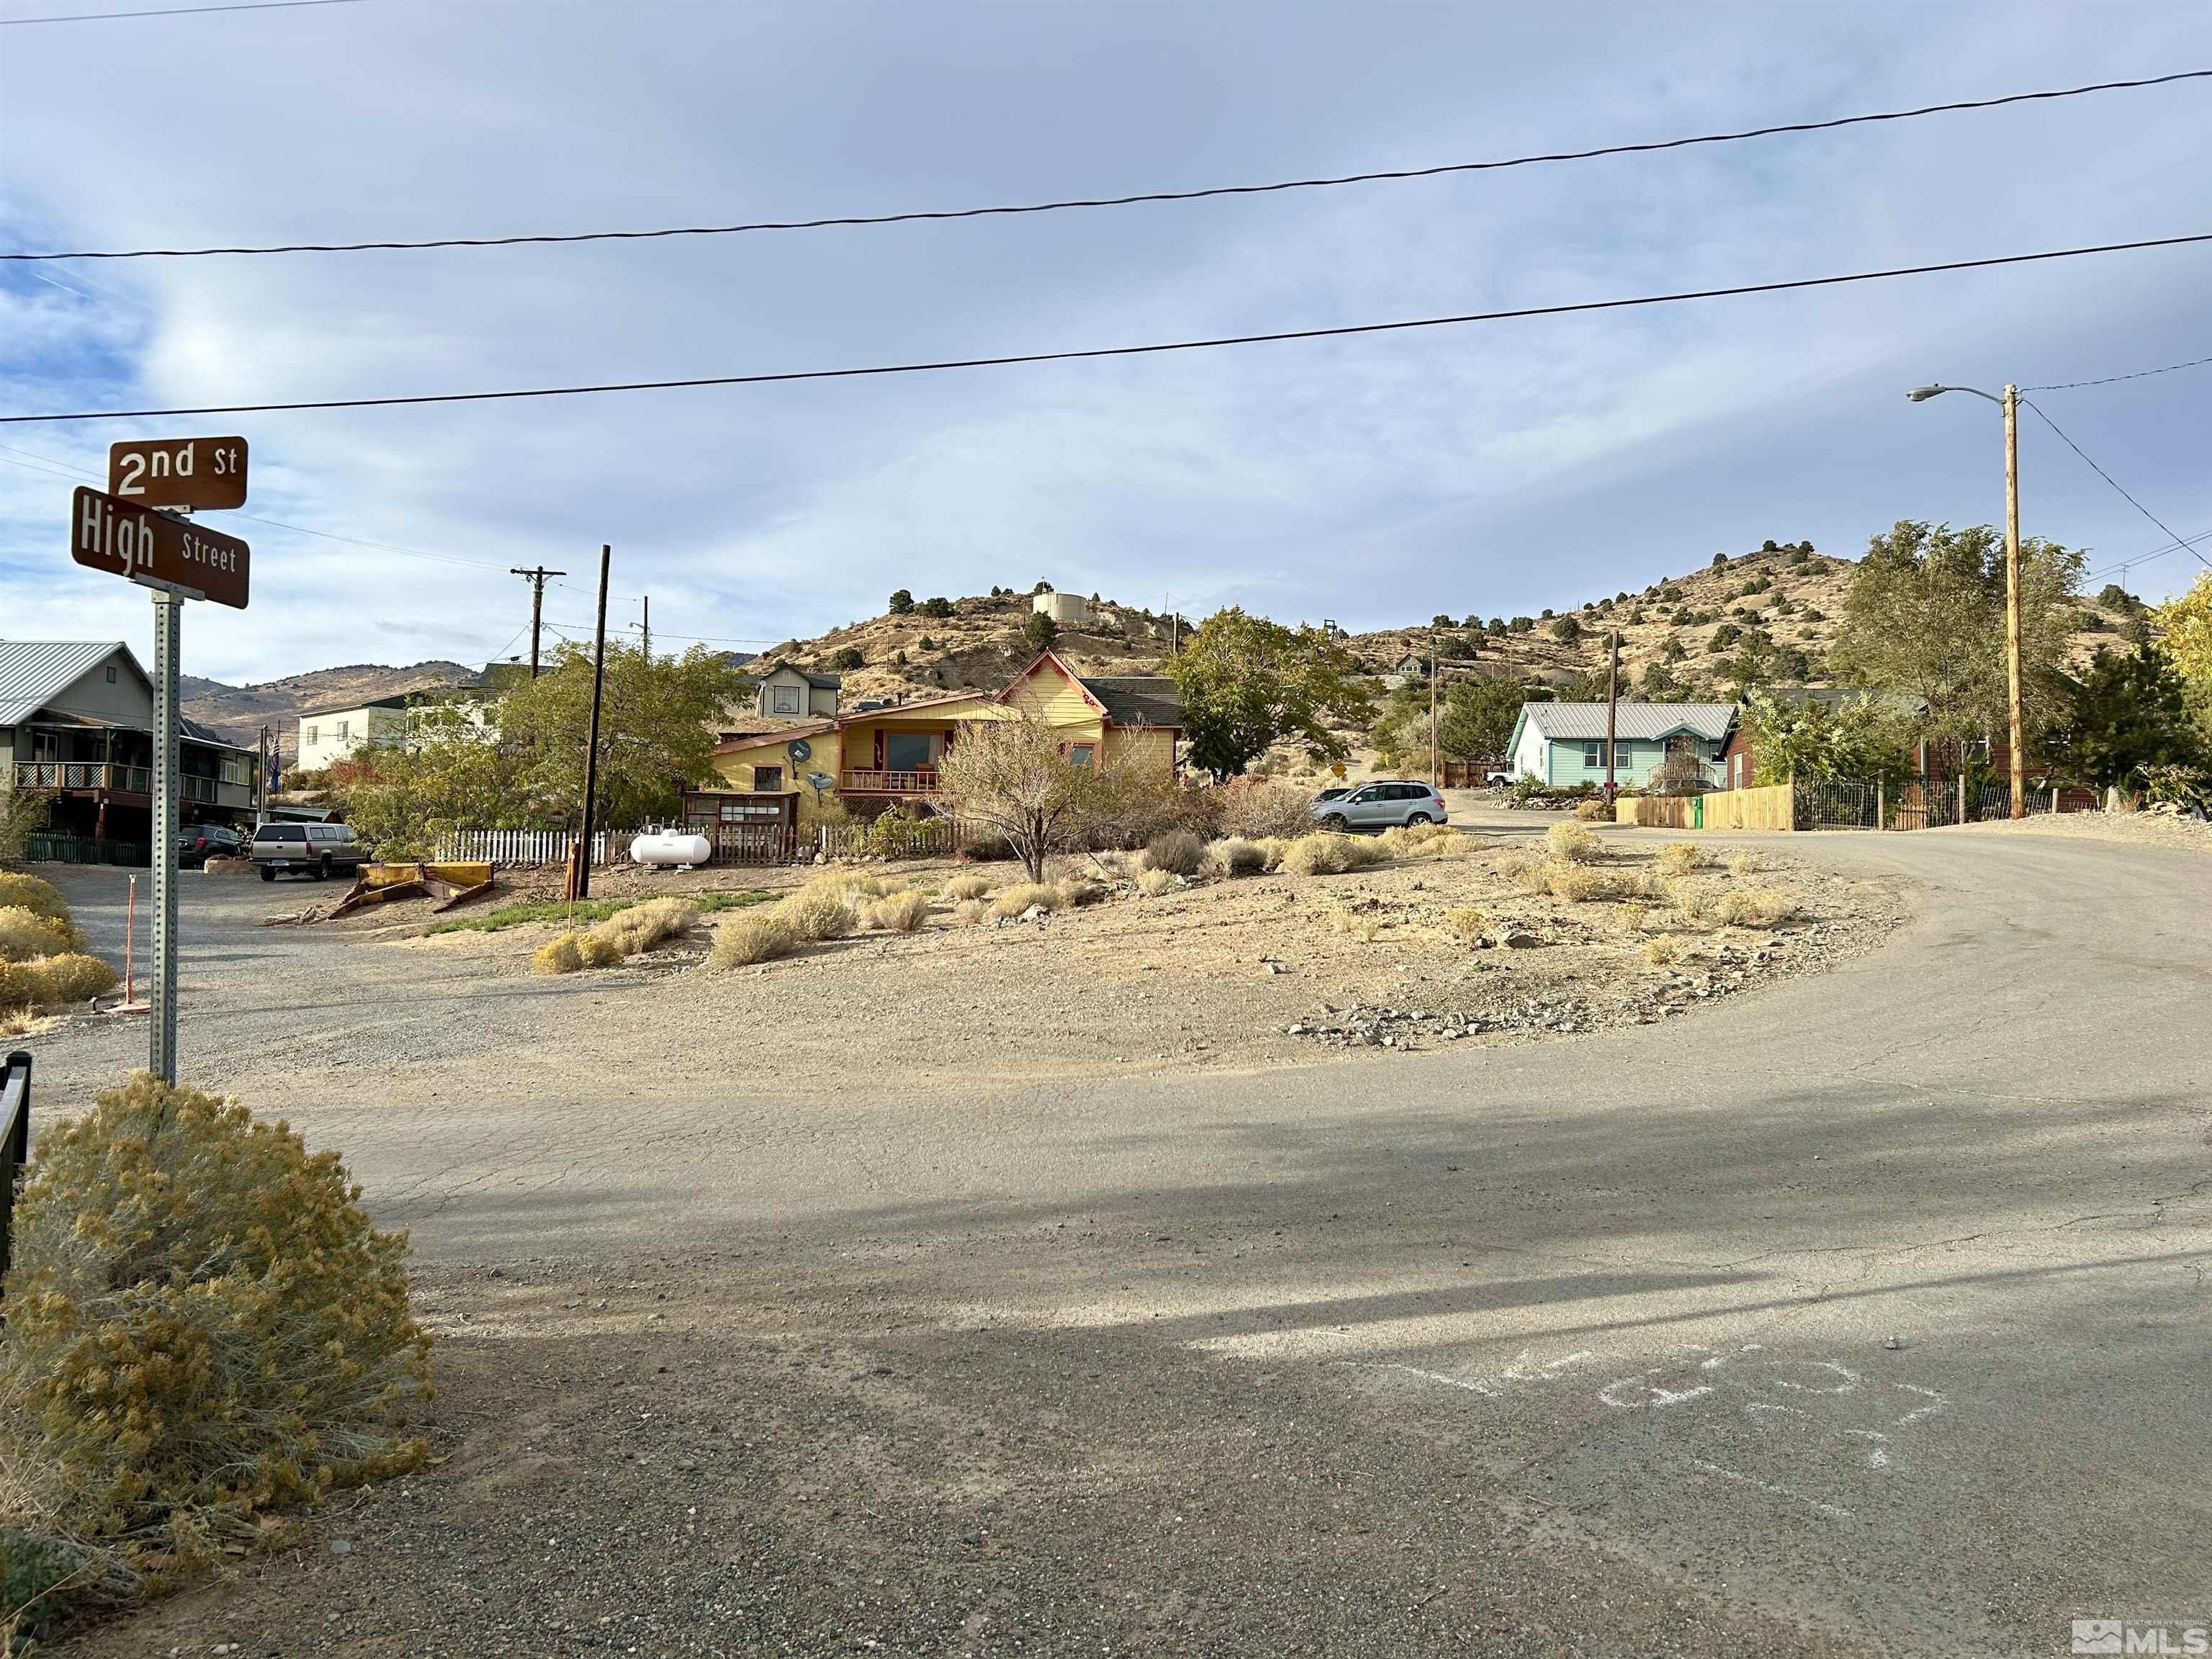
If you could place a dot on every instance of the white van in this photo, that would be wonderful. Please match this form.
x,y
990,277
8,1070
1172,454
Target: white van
x,y
321,850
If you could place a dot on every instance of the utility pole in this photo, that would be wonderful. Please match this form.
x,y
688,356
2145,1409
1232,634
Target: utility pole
x,y
1436,777
591,741
1612,715
537,579
646,628
2012,600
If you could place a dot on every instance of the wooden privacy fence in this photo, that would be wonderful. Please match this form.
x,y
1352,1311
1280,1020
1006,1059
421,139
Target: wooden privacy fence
x,y
1770,807
1918,804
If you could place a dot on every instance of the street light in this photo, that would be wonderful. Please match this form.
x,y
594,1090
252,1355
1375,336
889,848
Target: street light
x,y
2010,403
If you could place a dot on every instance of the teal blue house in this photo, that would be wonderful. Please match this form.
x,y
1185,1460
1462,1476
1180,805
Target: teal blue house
x,y
1563,743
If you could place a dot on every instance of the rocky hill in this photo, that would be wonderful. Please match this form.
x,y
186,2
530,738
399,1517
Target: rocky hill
x,y
238,712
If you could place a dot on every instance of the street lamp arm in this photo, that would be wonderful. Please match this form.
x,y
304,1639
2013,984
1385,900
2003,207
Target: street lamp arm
x,y
1921,394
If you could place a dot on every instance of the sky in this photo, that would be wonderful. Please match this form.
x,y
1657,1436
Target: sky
x,y
1488,468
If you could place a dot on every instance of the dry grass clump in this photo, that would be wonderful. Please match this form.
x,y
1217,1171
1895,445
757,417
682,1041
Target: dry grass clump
x,y
849,883
25,934
1178,853
817,911
1694,902
1414,840
1153,883
1757,907
1679,857
34,894
644,927
1272,850
1594,811
1359,924
1257,810
1013,901
74,978
557,956
202,1328
1664,949
1577,884
1236,856
969,912
1323,854
745,939
969,884
1076,891
897,913
1745,864
1470,925
1574,843
597,950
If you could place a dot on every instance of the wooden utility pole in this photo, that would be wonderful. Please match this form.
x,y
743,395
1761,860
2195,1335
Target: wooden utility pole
x,y
1436,778
537,579
2012,601
646,628
591,741
1612,713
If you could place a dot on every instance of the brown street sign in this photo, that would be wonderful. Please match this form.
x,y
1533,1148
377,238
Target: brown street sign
x,y
126,539
205,475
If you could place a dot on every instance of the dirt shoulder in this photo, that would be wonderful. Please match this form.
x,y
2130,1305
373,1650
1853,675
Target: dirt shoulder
x,y
2139,828
1236,973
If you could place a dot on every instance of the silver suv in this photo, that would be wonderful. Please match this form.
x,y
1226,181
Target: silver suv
x,y
321,850
1378,805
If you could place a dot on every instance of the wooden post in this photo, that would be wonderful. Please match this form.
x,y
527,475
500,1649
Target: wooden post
x,y
583,883
1962,797
2012,601
1880,816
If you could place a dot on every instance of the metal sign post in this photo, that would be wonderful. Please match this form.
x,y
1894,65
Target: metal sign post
x,y
161,1023
124,531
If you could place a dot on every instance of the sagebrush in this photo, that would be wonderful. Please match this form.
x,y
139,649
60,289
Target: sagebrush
x,y
1574,843
1177,851
744,941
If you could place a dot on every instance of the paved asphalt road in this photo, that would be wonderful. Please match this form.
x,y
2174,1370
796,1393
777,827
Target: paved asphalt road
x,y
1876,1303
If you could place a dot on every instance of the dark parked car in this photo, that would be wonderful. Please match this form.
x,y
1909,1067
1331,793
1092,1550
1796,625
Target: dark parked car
x,y
198,843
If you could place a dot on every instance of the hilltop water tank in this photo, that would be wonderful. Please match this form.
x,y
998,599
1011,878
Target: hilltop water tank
x,y
669,846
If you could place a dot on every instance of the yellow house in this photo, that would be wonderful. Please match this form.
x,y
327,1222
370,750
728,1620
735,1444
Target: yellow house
x,y
873,757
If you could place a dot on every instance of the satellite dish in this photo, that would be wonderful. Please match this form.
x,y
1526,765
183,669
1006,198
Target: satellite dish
x,y
819,781
800,750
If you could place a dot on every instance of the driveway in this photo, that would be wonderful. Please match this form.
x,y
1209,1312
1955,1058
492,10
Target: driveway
x,y
1867,1313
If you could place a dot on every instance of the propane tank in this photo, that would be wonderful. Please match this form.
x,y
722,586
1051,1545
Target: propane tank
x,y
669,846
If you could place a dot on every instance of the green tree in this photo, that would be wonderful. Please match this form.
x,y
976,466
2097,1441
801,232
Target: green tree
x,y
902,602
657,722
2129,710
1477,718
845,658
1925,617
1861,741
936,605
1567,630
452,774
2183,631
1249,683
1041,631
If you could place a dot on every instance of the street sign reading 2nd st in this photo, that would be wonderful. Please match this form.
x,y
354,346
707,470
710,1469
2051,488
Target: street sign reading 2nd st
x,y
200,475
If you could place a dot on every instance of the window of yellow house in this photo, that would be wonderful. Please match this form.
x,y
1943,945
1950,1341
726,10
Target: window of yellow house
x,y
767,778
1081,754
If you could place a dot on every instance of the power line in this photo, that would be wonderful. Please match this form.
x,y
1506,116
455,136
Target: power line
x,y
2114,379
1002,211
2171,535
2155,554
1340,332
172,11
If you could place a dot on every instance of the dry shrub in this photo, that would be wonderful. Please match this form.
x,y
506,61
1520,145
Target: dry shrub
x,y
1662,950
1633,917
1076,891
14,1023
969,885
557,956
26,935
850,885
34,894
1178,853
1470,925
203,1328
1272,849
74,978
1757,907
1594,811
1126,807
898,912
1679,857
1014,900
21,986
1323,854
1696,903
1153,883
748,939
816,911
1745,864
639,928
1358,924
1419,840
1574,843
597,950
1532,875
969,912
1577,884
1257,809
1236,856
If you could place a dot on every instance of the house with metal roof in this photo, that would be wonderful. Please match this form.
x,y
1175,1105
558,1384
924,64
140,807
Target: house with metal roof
x,y
793,693
77,722
1564,744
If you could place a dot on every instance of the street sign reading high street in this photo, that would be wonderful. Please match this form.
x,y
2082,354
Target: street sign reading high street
x,y
200,475
128,540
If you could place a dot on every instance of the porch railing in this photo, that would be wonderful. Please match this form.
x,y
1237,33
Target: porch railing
x,y
89,775
880,782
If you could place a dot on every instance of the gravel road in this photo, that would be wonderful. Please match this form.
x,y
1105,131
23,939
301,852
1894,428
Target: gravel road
x,y
1865,1314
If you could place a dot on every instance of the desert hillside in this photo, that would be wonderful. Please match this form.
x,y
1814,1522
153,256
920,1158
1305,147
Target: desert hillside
x,y
238,712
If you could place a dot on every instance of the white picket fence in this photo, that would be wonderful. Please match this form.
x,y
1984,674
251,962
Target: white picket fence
x,y
513,846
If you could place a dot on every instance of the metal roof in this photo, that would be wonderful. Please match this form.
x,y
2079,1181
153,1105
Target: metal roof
x,y
1572,721
34,672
